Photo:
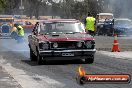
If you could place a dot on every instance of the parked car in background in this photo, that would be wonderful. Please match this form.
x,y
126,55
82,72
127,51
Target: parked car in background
x,y
61,39
6,25
123,26
105,22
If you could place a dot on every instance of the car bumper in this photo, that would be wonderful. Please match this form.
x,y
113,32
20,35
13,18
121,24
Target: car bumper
x,y
67,54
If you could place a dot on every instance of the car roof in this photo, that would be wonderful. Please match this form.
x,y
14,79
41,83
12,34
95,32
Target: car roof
x,y
105,14
122,19
60,20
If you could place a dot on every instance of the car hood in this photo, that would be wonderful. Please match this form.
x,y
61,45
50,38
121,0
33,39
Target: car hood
x,y
65,37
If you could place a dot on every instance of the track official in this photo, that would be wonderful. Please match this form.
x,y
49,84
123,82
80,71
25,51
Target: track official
x,y
90,23
20,33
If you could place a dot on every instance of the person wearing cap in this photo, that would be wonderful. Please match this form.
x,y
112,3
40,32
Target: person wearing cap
x,y
20,33
34,31
90,23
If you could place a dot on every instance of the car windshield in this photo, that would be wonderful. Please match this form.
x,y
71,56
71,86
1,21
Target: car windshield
x,y
62,27
102,18
123,22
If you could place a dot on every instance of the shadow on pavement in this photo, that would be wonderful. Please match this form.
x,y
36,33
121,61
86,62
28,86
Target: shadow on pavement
x,y
54,62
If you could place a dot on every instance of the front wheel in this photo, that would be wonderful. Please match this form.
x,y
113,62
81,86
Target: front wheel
x,y
39,59
90,59
32,56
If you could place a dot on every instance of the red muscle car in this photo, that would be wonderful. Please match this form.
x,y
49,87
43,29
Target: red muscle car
x,y
61,39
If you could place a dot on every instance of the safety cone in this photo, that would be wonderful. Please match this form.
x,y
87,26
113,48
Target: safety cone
x,y
115,44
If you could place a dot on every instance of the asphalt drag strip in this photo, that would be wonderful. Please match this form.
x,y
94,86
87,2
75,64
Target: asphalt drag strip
x,y
62,74
14,59
34,81
6,80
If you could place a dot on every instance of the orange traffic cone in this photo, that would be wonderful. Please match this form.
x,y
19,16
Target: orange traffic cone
x,y
115,44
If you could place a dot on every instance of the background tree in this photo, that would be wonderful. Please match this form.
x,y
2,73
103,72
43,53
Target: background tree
x,y
3,5
67,8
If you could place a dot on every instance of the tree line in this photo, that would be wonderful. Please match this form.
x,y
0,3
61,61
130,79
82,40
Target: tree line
x,y
64,8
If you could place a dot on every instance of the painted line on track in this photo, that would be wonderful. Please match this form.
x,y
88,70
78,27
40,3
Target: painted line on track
x,y
126,55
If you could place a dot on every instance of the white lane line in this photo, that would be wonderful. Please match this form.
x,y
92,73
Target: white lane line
x,y
14,50
9,81
123,55
27,81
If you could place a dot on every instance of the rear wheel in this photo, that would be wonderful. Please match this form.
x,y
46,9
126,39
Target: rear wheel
x,y
32,56
110,32
90,59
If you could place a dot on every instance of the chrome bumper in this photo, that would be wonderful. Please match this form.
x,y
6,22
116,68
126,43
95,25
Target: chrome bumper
x,y
58,54
83,50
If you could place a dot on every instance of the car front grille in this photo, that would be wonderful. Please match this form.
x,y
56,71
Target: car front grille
x,y
69,45
64,44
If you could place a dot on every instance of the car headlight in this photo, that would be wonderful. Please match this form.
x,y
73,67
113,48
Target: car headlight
x,y
55,45
101,26
79,44
88,44
44,46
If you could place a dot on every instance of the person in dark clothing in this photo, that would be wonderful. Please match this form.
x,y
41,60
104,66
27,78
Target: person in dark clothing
x,y
35,28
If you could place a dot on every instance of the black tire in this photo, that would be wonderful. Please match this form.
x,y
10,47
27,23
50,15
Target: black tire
x,y
90,59
110,32
32,56
39,59
80,80
97,32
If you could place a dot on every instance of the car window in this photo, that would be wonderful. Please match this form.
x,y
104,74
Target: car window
x,y
105,17
123,22
62,27
102,18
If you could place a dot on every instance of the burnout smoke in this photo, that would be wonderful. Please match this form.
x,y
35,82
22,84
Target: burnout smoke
x,y
11,45
120,8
